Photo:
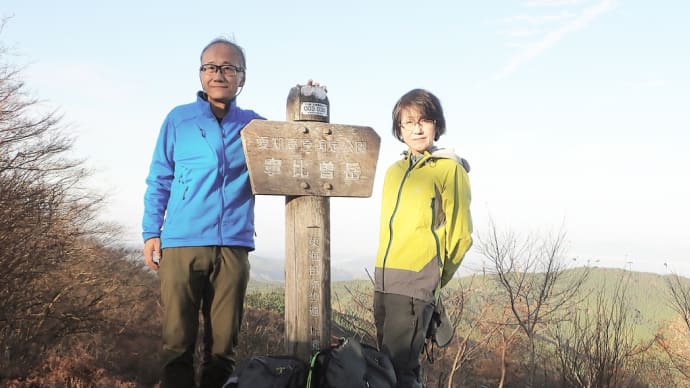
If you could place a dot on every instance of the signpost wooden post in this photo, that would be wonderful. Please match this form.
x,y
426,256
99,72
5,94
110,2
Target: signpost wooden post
x,y
309,160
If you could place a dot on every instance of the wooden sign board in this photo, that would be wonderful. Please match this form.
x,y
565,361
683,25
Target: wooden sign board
x,y
310,158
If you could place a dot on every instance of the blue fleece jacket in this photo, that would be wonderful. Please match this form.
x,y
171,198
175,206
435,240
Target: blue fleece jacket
x,y
198,190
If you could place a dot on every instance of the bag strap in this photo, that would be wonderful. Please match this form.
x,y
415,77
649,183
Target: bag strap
x,y
313,360
312,365
429,343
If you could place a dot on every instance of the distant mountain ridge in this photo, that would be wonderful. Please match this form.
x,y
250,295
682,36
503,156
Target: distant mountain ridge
x,y
269,269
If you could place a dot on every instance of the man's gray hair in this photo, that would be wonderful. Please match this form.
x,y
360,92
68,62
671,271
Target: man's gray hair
x,y
228,42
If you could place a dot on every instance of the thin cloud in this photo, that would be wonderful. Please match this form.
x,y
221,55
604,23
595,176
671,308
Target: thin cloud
x,y
649,83
587,16
522,33
654,83
542,19
540,3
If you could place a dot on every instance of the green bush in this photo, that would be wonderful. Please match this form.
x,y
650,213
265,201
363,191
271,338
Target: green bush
x,y
273,300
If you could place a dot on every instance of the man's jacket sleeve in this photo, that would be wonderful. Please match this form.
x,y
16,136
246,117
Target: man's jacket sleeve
x,y
158,182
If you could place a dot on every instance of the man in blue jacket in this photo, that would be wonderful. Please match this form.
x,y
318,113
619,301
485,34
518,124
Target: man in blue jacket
x,y
198,224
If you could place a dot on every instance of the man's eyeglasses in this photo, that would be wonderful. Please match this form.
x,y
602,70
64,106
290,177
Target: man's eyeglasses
x,y
226,70
412,125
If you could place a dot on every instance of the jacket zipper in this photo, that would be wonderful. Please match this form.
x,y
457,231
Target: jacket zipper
x,y
222,181
390,226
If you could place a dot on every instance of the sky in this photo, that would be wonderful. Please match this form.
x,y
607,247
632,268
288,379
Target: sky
x,y
574,114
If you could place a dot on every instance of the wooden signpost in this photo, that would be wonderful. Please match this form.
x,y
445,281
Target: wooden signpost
x,y
309,160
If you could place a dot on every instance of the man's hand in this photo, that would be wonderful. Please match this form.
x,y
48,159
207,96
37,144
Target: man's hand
x,y
152,253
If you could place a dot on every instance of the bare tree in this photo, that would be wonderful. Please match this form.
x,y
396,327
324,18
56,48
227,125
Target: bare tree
x,y
503,323
679,296
534,275
353,311
48,223
596,346
675,339
473,331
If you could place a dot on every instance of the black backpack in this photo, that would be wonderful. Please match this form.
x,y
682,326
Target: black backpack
x,y
269,372
351,365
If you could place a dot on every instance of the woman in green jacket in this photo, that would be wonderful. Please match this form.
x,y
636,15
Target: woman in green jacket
x,y
425,231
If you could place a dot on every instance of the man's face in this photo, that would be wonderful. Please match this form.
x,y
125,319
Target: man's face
x,y
221,88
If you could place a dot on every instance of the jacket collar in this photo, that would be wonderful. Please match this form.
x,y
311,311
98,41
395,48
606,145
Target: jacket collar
x,y
202,99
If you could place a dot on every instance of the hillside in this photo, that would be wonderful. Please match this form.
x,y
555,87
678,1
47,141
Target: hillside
x,y
647,293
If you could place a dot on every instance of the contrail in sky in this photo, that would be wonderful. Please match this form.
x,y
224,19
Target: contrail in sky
x,y
587,16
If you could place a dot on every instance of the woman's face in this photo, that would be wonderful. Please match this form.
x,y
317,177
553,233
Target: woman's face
x,y
418,132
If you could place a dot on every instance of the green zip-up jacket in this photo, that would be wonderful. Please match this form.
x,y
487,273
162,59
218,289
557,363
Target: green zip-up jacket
x,y
426,226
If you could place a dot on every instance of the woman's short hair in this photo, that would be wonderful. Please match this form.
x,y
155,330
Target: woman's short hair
x,y
429,107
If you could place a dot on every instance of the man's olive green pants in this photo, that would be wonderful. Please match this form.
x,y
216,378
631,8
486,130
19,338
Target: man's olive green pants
x,y
212,280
